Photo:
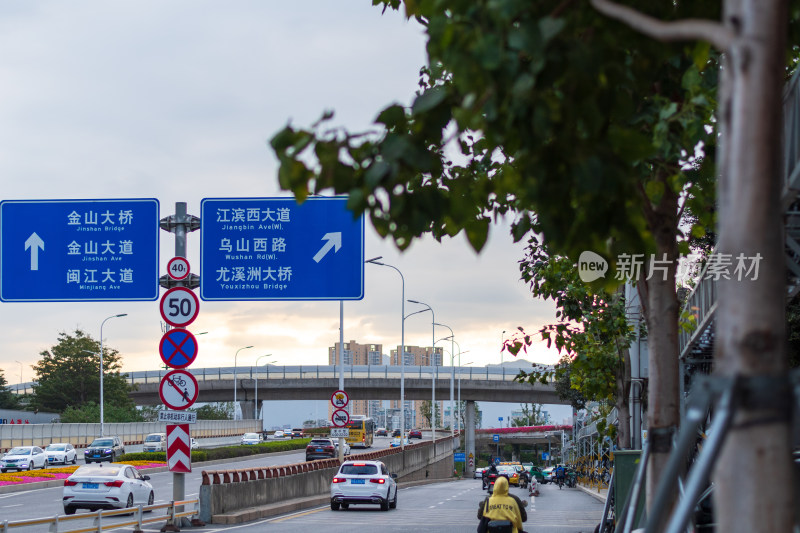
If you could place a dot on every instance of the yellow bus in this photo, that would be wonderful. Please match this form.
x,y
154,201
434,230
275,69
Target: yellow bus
x,y
362,431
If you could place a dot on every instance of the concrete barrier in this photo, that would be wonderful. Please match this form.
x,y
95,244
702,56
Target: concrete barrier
x,y
225,493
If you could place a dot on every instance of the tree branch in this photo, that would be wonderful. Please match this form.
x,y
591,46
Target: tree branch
x,y
684,30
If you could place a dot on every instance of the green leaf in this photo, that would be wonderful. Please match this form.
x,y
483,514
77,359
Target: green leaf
x,y
428,100
393,116
550,27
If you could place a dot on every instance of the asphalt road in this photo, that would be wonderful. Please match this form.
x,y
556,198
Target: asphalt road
x,y
46,502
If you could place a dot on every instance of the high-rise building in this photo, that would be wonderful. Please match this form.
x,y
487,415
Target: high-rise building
x,y
418,356
354,353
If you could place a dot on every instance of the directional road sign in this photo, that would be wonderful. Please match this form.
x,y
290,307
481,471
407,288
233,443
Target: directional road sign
x,y
495,438
459,457
78,250
179,448
340,418
178,348
275,249
178,389
179,307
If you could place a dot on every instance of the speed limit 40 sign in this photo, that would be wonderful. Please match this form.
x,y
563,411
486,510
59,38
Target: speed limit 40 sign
x,y
179,307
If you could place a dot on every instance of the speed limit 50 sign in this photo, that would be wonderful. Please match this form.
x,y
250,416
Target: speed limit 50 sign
x,y
179,307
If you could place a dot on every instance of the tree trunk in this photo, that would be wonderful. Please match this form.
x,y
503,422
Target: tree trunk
x,y
663,411
623,398
750,340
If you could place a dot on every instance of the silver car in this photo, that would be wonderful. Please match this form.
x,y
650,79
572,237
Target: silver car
x,y
113,486
363,482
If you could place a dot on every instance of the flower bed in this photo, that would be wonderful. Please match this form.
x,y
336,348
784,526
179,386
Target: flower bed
x,y
49,474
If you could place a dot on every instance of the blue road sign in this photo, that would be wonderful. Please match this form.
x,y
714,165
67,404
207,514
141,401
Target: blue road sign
x,y
78,250
275,249
545,456
459,457
495,438
178,348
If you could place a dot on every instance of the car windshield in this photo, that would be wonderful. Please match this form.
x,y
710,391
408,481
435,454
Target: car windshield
x,y
102,442
359,470
153,438
507,469
97,471
320,442
20,451
56,448
250,436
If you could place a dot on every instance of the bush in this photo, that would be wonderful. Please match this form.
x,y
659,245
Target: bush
x,y
225,452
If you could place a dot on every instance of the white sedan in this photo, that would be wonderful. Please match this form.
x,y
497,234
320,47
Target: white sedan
x,y
251,438
23,458
61,452
113,486
363,482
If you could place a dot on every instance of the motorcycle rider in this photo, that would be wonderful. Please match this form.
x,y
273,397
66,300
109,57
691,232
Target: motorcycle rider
x,y
560,474
503,506
485,475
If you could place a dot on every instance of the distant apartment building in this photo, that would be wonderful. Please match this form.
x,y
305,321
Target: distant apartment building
x,y
418,356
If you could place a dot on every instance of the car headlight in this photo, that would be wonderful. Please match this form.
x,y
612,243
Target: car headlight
x,y
107,450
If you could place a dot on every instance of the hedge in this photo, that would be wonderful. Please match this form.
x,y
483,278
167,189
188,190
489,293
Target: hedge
x,y
225,452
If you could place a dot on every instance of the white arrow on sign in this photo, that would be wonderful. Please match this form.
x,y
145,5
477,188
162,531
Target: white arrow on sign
x,y
334,241
179,455
34,242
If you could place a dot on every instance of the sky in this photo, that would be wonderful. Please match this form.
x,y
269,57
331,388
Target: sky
x,y
177,101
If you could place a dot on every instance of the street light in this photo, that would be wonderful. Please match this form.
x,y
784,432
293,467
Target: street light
x,y
459,385
102,426
433,372
20,371
375,261
269,363
452,377
234,378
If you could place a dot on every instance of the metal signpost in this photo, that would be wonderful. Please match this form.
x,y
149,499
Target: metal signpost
x,y
277,249
78,250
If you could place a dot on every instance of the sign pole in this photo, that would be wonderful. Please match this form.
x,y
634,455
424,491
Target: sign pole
x,y
341,368
180,224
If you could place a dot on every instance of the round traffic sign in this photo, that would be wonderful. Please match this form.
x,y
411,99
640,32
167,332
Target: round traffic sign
x,y
179,307
178,268
178,348
340,399
340,418
178,389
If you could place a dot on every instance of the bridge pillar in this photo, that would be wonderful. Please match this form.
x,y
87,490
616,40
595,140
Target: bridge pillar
x,y
515,452
470,438
248,410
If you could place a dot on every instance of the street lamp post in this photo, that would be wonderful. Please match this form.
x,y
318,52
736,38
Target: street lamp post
x,y
269,363
459,385
20,371
234,378
433,369
102,425
452,378
402,354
